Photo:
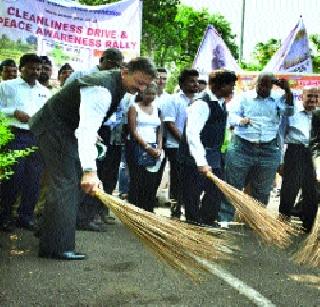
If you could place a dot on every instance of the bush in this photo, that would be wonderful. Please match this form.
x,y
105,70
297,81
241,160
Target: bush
x,y
9,157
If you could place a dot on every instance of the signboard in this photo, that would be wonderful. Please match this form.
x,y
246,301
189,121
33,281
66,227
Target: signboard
x,y
67,31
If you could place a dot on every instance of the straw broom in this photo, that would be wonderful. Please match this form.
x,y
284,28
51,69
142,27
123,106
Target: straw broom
x,y
178,243
310,252
252,212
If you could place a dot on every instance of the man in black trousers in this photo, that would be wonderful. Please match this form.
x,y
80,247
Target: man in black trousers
x,y
298,171
66,128
200,149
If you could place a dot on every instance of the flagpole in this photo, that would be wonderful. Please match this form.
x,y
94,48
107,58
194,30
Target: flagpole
x,y
242,30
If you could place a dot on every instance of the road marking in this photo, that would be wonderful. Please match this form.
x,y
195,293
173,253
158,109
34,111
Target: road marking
x,y
237,284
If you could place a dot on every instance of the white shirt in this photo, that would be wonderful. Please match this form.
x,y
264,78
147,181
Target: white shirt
x,y
174,110
147,124
18,95
299,126
81,73
197,115
92,111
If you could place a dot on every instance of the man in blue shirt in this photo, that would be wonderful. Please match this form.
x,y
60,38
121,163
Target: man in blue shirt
x,y
256,117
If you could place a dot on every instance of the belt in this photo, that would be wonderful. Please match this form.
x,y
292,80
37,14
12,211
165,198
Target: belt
x,y
256,144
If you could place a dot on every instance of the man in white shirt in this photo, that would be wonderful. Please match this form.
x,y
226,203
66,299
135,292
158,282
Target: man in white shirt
x,y
201,148
66,128
8,70
298,169
91,210
174,117
19,99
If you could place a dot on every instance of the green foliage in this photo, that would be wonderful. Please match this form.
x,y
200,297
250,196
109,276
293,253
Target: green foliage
x,y
315,40
262,54
9,157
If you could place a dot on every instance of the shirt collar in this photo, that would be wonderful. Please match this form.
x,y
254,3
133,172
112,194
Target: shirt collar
x,y
213,97
19,80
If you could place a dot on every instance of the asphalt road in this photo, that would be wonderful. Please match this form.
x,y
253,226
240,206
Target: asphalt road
x,y
120,271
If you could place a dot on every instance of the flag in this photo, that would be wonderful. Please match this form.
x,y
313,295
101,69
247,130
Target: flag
x,y
294,54
213,54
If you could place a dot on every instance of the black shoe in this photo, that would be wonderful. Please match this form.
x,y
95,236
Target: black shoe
x,y
68,255
26,225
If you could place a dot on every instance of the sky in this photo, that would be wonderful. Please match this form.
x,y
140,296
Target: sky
x,y
264,19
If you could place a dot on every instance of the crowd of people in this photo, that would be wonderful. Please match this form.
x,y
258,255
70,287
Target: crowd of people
x,y
120,114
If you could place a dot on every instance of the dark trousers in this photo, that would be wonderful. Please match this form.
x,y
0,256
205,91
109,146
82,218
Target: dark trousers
x,y
108,168
25,180
299,173
193,185
108,172
60,154
175,174
145,186
142,184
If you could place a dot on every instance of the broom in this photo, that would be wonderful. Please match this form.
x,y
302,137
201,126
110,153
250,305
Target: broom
x,y
310,252
178,243
253,213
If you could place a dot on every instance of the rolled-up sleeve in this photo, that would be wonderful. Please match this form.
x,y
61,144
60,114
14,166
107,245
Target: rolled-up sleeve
x,y
95,102
168,110
236,111
197,115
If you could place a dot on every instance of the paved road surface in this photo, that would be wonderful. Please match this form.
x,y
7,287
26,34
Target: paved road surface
x,y
120,271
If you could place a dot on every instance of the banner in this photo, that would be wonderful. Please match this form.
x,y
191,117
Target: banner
x,y
213,54
294,54
69,32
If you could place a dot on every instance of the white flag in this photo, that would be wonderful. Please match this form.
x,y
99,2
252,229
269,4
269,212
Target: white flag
x,y
294,54
213,54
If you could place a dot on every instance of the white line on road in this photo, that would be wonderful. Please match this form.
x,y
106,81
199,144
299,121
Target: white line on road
x,y
237,284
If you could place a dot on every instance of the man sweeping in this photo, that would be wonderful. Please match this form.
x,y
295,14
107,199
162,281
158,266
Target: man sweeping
x,y
201,149
66,128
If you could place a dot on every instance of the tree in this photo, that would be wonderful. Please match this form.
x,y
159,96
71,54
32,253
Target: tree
x,y
315,55
262,54
9,157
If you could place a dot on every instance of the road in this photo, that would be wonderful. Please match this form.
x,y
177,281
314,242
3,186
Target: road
x,y
120,271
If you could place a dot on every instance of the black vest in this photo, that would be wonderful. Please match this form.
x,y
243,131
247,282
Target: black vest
x,y
62,110
212,134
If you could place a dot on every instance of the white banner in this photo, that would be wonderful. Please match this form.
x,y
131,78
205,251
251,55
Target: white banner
x,y
213,54
294,54
69,32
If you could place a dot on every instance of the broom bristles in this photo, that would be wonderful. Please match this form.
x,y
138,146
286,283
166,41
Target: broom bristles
x,y
310,252
253,213
178,243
